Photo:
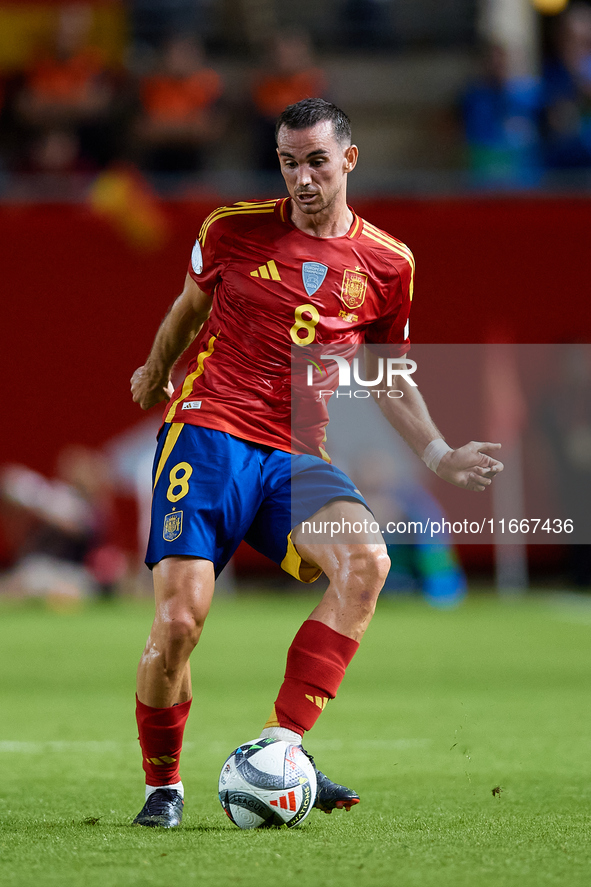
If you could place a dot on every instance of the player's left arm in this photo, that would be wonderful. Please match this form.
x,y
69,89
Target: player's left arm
x,y
472,466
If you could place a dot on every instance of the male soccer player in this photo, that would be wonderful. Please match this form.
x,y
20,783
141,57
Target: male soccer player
x,y
265,277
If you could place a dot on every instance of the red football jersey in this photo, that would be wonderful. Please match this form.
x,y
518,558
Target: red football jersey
x,y
274,288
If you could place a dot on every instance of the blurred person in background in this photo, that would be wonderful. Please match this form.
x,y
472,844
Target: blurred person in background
x,y
152,20
564,417
62,548
365,24
501,119
431,568
287,76
65,106
6,125
180,114
567,91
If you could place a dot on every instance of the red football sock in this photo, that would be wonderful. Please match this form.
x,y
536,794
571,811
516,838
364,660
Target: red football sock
x,y
161,740
316,664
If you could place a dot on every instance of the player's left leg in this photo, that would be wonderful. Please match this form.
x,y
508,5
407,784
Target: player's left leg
x,y
357,565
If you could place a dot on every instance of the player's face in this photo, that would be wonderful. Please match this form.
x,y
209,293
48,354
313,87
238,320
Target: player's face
x,y
314,165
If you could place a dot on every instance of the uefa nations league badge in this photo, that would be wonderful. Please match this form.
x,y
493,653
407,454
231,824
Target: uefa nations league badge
x,y
313,274
197,258
173,526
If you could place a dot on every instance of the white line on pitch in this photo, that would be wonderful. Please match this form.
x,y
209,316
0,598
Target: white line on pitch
x,y
109,746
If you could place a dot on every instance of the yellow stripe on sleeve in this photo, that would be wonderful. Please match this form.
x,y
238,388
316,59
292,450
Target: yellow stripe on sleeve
x,y
399,252
390,242
248,209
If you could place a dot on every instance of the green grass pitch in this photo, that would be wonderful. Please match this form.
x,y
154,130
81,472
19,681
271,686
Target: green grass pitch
x,y
436,711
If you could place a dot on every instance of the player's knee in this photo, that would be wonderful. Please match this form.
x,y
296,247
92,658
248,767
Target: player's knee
x,y
181,631
381,566
375,568
359,579
371,564
363,569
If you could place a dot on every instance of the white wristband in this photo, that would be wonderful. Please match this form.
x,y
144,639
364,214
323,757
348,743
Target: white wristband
x,y
434,452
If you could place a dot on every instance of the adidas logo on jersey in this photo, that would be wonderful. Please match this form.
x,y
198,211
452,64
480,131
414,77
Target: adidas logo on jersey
x,y
268,271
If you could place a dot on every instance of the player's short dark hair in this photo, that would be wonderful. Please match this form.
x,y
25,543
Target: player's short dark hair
x,y
309,112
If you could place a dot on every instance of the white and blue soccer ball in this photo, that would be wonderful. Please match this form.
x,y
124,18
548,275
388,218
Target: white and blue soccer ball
x,y
267,783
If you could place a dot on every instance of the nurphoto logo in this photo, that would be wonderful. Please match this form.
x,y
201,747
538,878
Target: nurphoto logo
x,y
387,370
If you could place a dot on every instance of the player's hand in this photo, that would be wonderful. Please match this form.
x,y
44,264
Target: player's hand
x,y
471,466
147,391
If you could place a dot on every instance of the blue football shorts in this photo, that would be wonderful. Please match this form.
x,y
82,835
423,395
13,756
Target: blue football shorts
x,y
212,490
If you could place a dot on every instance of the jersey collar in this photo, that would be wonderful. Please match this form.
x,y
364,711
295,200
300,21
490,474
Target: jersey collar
x,y
283,211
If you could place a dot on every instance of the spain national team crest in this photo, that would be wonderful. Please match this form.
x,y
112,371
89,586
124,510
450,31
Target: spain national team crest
x,y
353,289
313,274
173,526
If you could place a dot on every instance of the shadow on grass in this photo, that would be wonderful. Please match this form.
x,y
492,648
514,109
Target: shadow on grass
x,y
101,825
147,830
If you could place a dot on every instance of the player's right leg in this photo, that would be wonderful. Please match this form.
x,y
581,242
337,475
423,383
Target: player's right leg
x,y
183,588
206,494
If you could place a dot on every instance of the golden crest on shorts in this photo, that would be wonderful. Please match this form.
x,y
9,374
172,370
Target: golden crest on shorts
x,y
173,526
353,288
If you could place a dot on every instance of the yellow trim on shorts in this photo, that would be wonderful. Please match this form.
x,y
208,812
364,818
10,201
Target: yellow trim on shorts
x,y
171,438
293,564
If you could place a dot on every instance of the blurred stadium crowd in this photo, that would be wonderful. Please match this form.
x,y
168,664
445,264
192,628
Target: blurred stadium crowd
x,y
188,90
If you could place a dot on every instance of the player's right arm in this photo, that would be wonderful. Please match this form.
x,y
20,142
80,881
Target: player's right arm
x,y
151,384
